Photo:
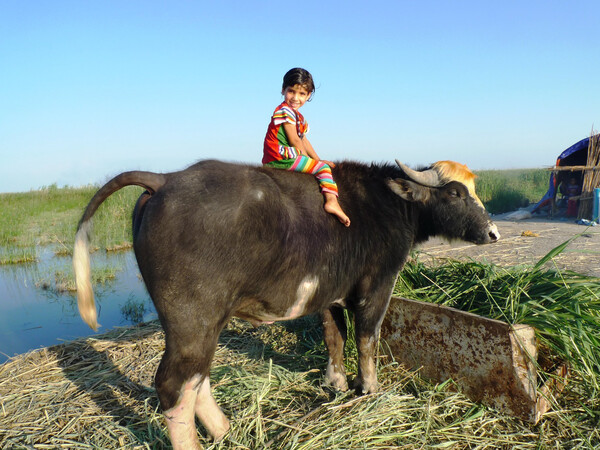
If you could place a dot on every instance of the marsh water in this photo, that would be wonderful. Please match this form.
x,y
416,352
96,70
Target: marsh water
x,y
35,313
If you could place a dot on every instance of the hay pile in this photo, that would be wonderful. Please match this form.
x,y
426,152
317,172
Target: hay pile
x,y
97,393
89,393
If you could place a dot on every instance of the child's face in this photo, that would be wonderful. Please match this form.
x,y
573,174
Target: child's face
x,y
296,95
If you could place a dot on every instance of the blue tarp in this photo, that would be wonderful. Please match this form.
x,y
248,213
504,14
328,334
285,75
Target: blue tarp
x,y
582,145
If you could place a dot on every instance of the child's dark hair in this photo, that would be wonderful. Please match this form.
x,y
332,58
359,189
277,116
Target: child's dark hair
x,y
299,76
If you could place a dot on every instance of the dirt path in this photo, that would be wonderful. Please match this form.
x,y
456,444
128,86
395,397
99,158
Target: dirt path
x,y
525,242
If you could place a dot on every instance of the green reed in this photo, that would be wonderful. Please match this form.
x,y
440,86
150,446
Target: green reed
x,y
49,216
507,190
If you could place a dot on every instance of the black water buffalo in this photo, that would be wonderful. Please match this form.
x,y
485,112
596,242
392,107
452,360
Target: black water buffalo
x,y
219,240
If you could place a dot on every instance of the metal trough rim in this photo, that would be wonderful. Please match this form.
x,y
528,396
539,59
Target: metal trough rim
x,y
491,361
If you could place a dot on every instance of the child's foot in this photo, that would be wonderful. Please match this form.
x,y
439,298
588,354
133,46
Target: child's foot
x,y
333,207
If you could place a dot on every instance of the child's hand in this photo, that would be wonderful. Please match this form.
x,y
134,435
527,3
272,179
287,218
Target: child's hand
x,y
329,163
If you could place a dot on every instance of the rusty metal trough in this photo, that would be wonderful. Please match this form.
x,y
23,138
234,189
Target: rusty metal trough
x,y
491,361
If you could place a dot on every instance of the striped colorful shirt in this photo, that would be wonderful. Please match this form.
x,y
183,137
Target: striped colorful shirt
x,y
276,145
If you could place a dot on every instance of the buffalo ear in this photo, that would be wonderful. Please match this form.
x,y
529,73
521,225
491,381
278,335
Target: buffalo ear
x,y
408,190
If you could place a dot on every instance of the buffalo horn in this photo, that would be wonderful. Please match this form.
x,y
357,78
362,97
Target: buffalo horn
x,y
428,177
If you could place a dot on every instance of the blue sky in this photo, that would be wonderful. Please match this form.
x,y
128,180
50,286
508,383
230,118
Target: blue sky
x,y
90,89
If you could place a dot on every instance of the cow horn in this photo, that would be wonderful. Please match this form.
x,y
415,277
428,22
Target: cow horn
x,y
428,177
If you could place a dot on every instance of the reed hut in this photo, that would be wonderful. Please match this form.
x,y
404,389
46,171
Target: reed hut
x,y
580,162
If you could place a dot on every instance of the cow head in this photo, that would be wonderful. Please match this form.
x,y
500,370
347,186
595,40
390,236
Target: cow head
x,y
450,187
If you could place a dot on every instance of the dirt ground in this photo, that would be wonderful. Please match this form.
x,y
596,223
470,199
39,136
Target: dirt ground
x,y
525,242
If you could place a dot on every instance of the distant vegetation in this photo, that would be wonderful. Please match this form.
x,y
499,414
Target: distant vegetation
x,y
49,216
508,190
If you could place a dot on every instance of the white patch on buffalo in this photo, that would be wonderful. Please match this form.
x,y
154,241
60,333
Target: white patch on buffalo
x,y
258,194
366,365
304,293
493,230
209,413
335,377
180,419
369,381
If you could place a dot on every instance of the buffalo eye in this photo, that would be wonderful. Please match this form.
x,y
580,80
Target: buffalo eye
x,y
453,193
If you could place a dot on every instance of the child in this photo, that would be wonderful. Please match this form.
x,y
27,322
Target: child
x,y
573,189
572,194
286,146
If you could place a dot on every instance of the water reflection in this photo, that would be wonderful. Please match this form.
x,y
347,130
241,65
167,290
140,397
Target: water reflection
x,y
36,312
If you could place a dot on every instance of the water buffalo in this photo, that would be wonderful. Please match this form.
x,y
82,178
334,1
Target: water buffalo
x,y
219,240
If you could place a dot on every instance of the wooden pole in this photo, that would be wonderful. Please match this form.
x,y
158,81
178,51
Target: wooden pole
x,y
573,168
591,177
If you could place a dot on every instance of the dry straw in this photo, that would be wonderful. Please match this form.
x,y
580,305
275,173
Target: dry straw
x,y
97,393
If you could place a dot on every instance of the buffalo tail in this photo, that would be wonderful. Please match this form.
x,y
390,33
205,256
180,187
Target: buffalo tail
x,y
81,255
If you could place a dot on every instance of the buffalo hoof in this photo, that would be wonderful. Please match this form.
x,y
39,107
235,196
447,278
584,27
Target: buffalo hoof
x,y
337,381
363,387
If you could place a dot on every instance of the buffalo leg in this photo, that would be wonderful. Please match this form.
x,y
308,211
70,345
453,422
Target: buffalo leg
x,y
180,418
334,335
183,386
209,412
368,317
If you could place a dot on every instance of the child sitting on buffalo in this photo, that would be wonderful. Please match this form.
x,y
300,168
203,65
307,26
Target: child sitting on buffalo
x,y
286,146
